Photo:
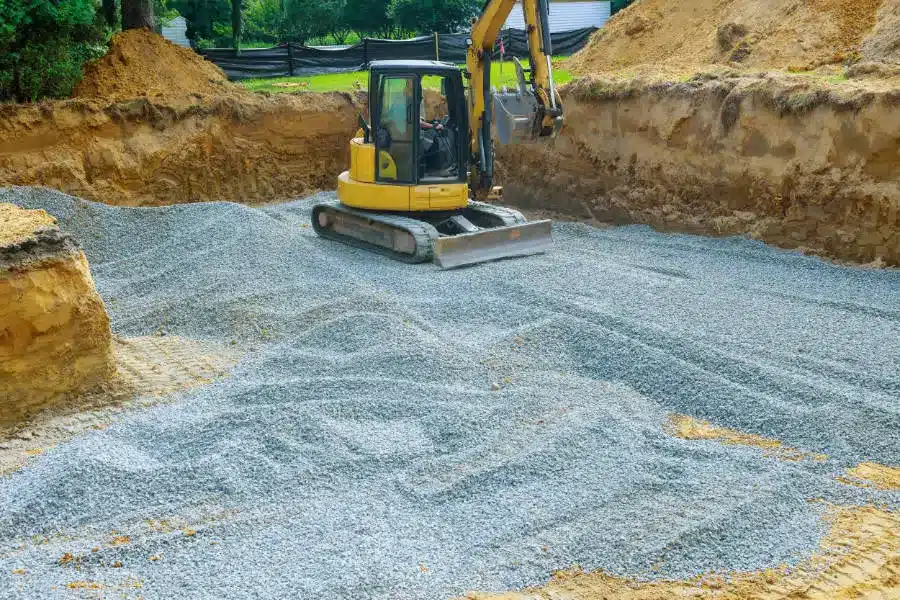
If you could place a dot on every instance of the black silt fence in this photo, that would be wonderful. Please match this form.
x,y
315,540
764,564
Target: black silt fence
x,y
294,59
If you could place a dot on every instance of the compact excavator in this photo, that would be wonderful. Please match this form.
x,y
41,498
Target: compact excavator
x,y
416,188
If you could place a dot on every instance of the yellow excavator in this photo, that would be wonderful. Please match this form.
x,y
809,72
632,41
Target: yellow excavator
x,y
422,167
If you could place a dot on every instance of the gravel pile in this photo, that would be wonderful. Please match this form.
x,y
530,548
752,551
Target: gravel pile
x,y
360,450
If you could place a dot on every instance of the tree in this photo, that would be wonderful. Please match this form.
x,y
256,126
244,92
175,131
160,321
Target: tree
x,y
425,16
368,17
109,13
202,16
137,14
338,27
305,19
263,20
236,24
43,45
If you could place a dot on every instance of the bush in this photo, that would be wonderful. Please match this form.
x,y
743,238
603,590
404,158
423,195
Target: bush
x,y
44,45
50,69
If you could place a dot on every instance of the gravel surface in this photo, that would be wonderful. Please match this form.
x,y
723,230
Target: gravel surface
x,y
359,450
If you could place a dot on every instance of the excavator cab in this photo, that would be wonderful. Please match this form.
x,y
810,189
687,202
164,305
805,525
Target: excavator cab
x,y
420,122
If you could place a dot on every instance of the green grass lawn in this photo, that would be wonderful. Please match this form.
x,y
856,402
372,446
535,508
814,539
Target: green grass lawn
x,y
501,75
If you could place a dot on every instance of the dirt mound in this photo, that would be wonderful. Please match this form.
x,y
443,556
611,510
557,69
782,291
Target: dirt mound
x,y
17,225
884,42
140,63
765,34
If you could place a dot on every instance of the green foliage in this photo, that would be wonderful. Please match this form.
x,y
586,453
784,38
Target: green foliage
x,y
425,16
202,16
369,17
324,22
305,19
163,13
263,20
44,44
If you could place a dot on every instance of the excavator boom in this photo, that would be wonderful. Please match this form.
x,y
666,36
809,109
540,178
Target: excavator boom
x,y
532,111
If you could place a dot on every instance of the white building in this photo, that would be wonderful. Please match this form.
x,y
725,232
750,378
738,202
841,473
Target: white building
x,y
566,15
176,31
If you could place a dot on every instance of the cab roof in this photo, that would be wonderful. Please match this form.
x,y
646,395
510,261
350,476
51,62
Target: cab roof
x,y
430,66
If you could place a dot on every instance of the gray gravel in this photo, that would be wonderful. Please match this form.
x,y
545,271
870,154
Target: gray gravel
x,y
359,451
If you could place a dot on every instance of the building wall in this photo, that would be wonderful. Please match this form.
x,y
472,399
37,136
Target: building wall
x,y
566,15
176,32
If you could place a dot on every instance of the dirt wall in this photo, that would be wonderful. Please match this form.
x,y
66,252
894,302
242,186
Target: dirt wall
x,y
241,147
779,159
55,337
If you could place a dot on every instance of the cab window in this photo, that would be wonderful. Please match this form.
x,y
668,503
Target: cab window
x,y
439,130
395,131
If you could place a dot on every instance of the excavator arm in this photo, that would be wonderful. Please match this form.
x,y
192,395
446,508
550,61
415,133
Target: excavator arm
x,y
531,112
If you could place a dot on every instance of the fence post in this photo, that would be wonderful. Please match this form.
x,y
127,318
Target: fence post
x,y
437,51
290,59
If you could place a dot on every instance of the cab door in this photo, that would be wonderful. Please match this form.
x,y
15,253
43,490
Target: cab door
x,y
396,129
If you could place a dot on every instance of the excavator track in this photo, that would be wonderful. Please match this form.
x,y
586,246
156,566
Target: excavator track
x,y
506,216
494,232
402,238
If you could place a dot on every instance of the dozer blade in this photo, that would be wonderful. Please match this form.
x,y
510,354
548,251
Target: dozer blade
x,y
492,244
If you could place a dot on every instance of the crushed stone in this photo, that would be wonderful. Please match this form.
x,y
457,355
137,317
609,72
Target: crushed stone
x,y
358,449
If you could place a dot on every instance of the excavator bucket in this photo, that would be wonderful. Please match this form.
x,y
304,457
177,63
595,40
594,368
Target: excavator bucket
x,y
515,113
514,116
492,244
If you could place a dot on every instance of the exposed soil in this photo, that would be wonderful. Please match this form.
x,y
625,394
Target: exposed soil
x,y
148,369
790,160
17,225
689,428
755,34
143,64
239,147
54,330
883,43
860,558
869,474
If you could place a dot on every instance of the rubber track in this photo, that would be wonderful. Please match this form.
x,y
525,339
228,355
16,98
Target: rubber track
x,y
423,233
508,215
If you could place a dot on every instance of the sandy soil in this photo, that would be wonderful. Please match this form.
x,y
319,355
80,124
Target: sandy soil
x,y
791,160
149,370
17,225
750,34
142,64
860,558
241,147
689,428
